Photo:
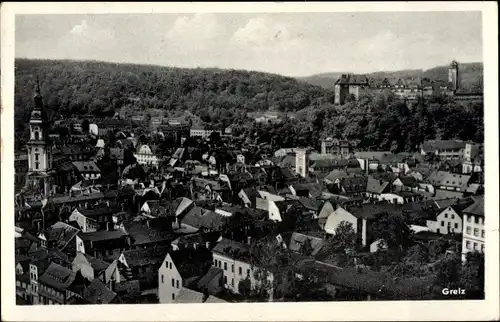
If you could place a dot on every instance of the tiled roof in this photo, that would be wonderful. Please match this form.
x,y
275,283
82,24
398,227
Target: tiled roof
x,y
186,295
86,166
352,79
298,239
140,233
199,217
103,235
433,145
148,256
192,262
205,281
354,184
370,211
98,293
58,277
233,249
477,208
444,178
376,186
61,234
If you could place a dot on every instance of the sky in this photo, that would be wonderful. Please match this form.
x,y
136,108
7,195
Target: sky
x,y
291,44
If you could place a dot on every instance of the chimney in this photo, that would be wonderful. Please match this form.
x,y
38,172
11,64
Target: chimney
x,y
249,240
207,244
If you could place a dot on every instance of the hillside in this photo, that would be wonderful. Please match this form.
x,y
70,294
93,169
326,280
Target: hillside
x,y
102,89
471,75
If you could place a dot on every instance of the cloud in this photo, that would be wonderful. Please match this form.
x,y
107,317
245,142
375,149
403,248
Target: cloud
x,y
264,32
80,28
198,29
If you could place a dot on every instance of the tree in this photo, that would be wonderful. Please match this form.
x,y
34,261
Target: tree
x,y
472,275
245,287
447,271
392,228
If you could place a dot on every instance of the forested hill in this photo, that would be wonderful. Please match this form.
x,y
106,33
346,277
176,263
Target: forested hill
x,y
103,88
471,76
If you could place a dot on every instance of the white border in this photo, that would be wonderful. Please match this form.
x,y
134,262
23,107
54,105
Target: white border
x,y
355,311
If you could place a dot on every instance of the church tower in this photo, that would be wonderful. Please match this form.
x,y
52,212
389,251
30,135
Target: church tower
x,y
39,150
453,76
301,162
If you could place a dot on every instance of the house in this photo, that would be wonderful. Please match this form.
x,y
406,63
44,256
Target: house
x,y
105,245
349,87
201,131
145,155
87,169
473,232
142,264
234,259
444,149
54,284
335,176
89,266
375,188
342,148
326,210
60,235
449,220
201,219
249,196
298,240
370,161
93,219
449,184
361,218
181,269
98,293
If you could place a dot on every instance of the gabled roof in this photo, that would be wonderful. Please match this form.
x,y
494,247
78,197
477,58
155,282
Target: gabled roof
x,y
186,295
477,208
354,184
444,178
376,186
58,277
141,234
103,235
86,166
298,239
205,281
233,249
147,256
199,218
191,262
98,293
433,145
61,234
370,211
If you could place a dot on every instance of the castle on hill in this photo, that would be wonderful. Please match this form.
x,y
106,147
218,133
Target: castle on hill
x,y
351,87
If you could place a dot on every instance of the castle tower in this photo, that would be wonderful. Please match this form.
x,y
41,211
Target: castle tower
x,y
453,76
301,162
39,151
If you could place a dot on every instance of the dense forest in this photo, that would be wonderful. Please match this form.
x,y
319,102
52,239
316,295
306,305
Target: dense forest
x,y
88,89
471,76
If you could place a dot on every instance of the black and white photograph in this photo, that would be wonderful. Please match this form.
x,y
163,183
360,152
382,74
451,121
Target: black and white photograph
x,y
250,157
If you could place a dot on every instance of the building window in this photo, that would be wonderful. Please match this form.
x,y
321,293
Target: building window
x,y
445,215
37,156
452,216
162,278
467,244
476,219
232,268
456,226
240,270
442,223
468,230
173,282
177,283
215,262
482,248
482,233
225,266
449,224
170,265
469,218
475,246
225,280
248,272
476,232
173,296
232,281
